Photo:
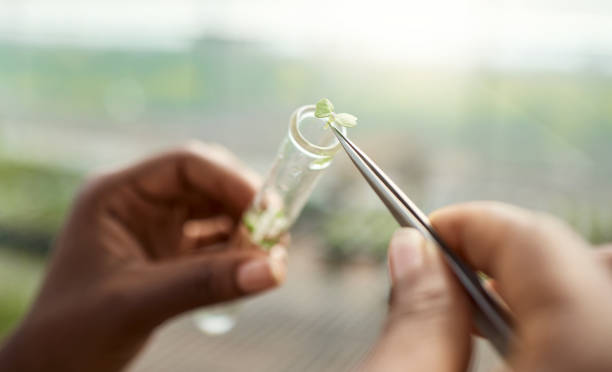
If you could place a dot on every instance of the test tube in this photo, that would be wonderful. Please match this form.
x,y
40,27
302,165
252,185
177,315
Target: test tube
x,y
303,156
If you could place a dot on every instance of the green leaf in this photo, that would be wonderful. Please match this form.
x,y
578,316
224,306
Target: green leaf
x,y
346,120
324,108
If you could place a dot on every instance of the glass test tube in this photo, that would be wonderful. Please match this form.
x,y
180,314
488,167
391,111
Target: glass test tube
x,y
302,158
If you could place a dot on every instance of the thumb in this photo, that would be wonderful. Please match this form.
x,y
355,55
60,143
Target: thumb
x,y
428,326
171,288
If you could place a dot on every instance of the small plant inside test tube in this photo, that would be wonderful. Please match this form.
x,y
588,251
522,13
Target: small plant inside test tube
x,y
298,166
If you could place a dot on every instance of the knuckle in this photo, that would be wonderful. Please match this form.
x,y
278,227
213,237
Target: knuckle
x,y
210,153
189,151
93,187
197,148
91,183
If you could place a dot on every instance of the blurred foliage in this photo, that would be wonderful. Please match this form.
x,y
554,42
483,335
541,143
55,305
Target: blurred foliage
x,y
506,120
34,199
20,274
213,75
217,75
601,230
592,222
355,234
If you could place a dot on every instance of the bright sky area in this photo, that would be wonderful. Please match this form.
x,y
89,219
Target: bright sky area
x,y
455,31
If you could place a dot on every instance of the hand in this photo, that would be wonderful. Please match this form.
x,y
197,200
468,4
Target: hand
x,y
556,287
142,245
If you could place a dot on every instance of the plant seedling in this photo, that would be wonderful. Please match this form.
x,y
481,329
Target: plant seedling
x,y
325,109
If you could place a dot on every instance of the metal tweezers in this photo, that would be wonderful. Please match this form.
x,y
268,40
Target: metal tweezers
x,y
492,321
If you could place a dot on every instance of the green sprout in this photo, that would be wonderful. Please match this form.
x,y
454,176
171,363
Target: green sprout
x,y
325,109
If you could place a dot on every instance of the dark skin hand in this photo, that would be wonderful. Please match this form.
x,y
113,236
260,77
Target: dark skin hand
x,y
142,245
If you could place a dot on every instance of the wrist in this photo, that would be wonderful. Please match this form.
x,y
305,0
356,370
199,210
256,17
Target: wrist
x,y
15,356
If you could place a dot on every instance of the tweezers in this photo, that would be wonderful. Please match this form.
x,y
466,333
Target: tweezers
x,y
492,321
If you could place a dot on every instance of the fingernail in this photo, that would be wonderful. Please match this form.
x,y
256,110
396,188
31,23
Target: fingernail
x,y
405,253
262,273
278,263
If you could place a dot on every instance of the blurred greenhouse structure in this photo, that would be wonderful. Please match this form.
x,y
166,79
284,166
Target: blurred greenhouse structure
x,y
495,111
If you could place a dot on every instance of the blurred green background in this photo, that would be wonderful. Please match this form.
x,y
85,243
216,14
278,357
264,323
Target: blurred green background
x,y
459,100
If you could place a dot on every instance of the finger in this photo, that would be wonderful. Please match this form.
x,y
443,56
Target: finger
x,y
189,173
428,327
198,234
491,287
172,288
537,262
604,254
